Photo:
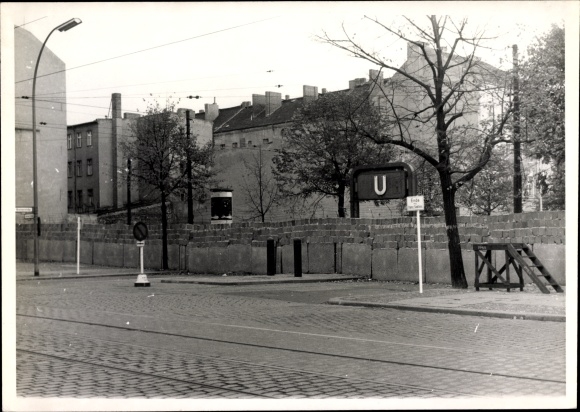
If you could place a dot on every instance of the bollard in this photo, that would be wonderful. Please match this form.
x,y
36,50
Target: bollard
x,y
297,258
270,258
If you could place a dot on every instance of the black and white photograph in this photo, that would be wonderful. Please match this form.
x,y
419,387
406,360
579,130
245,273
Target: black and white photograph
x,y
289,205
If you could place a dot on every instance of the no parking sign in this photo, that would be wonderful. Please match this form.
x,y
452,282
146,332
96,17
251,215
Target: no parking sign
x,y
140,232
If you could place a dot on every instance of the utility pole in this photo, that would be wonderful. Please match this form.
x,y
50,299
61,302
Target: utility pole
x,y
517,147
129,191
189,182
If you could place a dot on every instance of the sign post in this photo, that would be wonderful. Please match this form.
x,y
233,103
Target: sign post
x,y
78,244
140,233
417,203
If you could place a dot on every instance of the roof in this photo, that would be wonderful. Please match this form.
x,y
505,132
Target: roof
x,y
242,117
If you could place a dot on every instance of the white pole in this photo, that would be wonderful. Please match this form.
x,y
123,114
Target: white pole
x,y
141,258
419,247
78,244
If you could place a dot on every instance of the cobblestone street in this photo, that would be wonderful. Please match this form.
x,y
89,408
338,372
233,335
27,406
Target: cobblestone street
x,y
104,338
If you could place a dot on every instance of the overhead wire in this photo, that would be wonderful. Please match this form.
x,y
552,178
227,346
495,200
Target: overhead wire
x,y
163,82
150,48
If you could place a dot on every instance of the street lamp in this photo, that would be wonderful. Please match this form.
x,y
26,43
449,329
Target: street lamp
x,y
63,27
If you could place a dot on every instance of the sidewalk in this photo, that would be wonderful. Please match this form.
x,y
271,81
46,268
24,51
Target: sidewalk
x,y
530,304
68,270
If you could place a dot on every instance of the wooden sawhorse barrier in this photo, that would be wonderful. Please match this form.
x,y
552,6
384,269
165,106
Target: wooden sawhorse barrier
x,y
515,255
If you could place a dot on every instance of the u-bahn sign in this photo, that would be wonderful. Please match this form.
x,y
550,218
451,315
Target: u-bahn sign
x,y
382,182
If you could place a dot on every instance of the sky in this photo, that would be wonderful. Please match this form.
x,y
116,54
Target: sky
x,y
225,52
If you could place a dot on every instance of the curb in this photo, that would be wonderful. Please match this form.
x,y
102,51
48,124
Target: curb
x,y
255,282
83,276
467,312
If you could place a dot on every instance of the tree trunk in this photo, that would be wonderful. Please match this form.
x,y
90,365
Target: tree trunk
x,y
165,260
341,210
453,242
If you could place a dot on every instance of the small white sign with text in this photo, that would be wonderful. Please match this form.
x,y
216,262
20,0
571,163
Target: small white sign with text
x,y
415,203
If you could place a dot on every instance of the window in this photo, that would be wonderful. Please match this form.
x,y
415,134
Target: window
x,y
222,146
79,198
79,141
69,141
90,197
69,169
89,138
266,141
249,143
89,167
235,145
70,199
79,167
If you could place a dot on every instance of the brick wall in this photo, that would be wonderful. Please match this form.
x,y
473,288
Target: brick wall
x,y
381,248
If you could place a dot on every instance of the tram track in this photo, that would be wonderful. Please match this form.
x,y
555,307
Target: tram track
x,y
292,377
303,352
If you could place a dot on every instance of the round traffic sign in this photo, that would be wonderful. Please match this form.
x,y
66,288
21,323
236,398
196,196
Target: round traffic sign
x,y
140,231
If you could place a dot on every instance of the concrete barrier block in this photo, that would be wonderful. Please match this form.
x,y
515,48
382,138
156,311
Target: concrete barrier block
x,y
56,250
87,252
21,248
30,249
553,256
173,257
320,258
131,256
238,258
384,264
197,259
408,264
287,258
108,254
436,269
217,259
259,260
356,259
43,245
468,266
152,255
69,251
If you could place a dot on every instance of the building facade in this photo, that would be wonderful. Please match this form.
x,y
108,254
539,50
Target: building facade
x,y
50,129
95,162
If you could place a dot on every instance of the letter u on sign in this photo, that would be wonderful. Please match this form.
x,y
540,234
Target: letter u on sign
x,y
382,191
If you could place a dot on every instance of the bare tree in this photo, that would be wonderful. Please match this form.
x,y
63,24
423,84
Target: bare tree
x,y
159,152
259,187
448,108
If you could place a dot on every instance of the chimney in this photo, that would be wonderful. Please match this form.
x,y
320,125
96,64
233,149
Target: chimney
x,y
323,91
212,111
309,93
356,82
116,135
246,104
287,97
258,104
273,102
116,105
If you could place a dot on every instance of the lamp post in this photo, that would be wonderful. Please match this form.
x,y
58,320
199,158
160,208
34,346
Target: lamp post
x,y
63,27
